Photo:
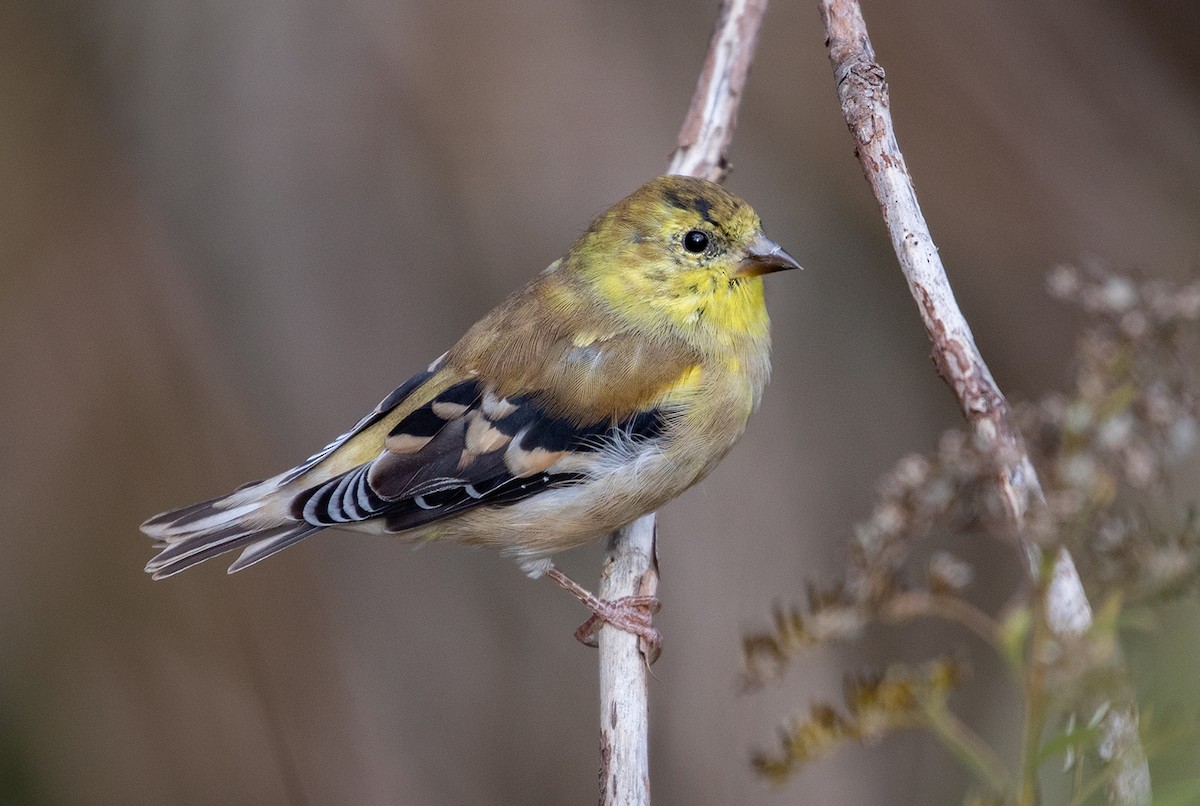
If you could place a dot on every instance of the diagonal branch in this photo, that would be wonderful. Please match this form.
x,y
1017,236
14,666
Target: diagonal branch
x,y
862,90
630,568
708,128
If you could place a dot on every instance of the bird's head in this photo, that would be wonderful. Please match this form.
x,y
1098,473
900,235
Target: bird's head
x,y
682,253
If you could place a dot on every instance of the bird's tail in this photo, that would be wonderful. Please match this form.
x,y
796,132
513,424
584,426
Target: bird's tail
x,y
253,518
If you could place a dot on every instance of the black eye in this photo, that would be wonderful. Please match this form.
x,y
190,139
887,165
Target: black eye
x,y
695,241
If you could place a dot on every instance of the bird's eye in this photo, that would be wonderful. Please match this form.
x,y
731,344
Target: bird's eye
x,y
695,241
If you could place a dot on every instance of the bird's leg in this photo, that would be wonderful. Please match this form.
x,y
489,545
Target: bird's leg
x,y
631,614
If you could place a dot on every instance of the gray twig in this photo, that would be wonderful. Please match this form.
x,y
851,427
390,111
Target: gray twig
x,y
863,92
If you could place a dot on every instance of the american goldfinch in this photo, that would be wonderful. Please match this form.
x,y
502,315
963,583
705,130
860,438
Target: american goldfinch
x,y
604,388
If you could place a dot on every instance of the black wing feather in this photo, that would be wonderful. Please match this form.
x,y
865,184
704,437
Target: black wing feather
x,y
445,476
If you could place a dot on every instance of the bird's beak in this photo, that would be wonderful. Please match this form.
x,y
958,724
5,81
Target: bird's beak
x,y
764,256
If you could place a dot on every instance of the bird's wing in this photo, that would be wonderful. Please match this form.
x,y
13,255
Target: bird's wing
x,y
508,412
257,515
470,444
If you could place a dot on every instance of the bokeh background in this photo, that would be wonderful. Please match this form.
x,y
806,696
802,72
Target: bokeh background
x,y
228,229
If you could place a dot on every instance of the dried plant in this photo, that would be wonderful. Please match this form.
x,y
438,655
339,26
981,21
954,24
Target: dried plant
x,y
1108,454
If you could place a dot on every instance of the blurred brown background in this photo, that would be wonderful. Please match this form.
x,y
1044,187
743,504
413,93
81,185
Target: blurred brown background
x,y
228,229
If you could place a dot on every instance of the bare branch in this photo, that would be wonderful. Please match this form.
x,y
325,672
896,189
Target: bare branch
x,y
862,90
708,128
630,568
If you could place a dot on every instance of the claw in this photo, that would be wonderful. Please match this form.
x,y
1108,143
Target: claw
x,y
631,614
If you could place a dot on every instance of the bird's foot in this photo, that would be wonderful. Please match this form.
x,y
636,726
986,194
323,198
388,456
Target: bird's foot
x,y
631,614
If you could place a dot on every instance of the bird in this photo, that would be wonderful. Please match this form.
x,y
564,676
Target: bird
x,y
612,382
